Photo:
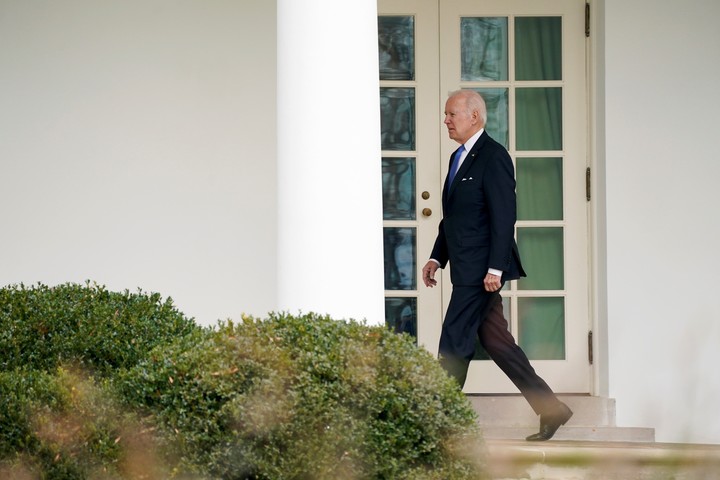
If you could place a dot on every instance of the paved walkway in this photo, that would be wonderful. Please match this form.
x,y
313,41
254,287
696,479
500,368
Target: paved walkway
x,y
566,460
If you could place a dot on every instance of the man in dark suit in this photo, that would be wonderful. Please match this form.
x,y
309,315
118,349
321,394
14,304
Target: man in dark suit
x,y
476,236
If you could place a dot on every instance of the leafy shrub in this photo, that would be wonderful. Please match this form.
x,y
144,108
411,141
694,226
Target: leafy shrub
x,y
44,327
61,426
55,422
306,397
97,384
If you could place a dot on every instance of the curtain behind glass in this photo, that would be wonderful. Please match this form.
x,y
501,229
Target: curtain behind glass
x,y
538,54
538,57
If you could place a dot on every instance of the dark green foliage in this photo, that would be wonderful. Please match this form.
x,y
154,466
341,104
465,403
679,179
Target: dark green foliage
x,y
43,327
103,385
58,424
307,397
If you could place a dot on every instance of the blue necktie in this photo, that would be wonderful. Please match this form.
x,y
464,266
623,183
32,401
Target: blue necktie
x,y
455,164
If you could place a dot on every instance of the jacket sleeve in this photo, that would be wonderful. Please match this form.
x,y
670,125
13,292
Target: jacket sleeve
x,y
440,251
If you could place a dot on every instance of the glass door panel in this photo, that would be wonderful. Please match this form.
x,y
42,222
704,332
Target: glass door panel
x,y
400,258
539,188
484,48
538,114
397,118
401,314
541,250
396,42
541,327
538,48
398,187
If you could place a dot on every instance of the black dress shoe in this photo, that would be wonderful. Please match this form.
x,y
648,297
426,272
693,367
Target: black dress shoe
x,y
549,424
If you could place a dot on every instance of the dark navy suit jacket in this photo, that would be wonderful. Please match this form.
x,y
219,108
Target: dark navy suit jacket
x,y
478,225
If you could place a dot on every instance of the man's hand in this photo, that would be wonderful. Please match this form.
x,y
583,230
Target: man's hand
x,y
492,282
428,273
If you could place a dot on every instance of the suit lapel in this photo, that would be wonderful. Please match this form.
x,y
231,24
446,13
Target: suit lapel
x,y
471,157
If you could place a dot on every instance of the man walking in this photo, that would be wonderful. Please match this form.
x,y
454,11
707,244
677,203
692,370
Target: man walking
x,y
476,236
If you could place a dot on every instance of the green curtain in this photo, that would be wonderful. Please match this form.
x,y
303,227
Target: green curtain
x,y
538,57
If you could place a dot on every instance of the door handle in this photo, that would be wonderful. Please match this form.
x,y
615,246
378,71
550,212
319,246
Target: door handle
x,y
426,212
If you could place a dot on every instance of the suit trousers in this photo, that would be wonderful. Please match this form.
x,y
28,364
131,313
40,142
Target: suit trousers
x,y
474,313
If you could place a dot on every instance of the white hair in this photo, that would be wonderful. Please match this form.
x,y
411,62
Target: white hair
x,y
473,101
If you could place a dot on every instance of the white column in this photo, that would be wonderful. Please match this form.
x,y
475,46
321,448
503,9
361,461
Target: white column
x,y
330,257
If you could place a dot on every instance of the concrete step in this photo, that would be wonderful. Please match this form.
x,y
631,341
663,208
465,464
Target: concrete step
x,y
564,460
510,417
574,433
514,411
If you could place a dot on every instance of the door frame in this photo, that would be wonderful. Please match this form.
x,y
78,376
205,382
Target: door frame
x,y
596,231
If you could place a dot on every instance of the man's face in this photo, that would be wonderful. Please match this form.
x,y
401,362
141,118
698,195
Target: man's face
x,y
461,125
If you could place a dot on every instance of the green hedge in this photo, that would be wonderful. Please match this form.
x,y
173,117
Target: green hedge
x,y
43,327
155,396
59,426
307,397
60,348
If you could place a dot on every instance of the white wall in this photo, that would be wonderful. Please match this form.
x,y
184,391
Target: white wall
x,y
137,149
663,228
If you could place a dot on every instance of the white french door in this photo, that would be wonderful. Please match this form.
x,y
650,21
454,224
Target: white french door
x,y
527,59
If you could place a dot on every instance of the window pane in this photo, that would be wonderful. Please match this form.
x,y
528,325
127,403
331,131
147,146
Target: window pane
x,y
398,181
541,325
539,118
396,38
480,352
541,251
496,101
538,48
483,48
397,118
539,188
399,252
401,315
